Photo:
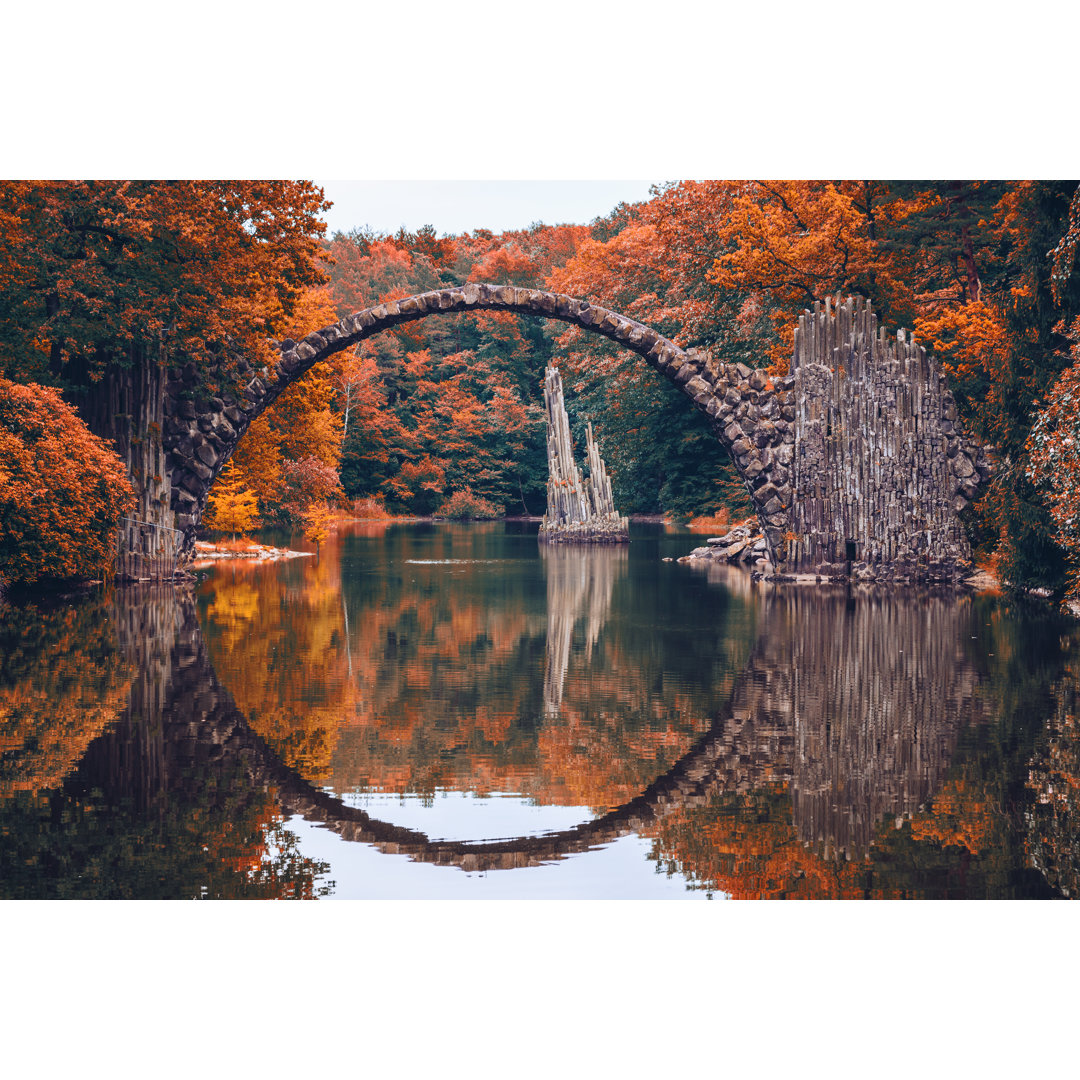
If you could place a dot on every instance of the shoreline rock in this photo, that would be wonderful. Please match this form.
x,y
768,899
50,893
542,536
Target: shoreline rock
x,y
206,554
745,545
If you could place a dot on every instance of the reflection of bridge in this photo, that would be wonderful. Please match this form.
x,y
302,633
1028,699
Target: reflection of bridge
x,y
854,705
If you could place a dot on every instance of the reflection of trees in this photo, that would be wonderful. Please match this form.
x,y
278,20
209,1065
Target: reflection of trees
x,y
154,809
1053,819
62,681
866,747
431,669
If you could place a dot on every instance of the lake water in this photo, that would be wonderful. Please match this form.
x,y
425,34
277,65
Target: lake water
x,y
442,710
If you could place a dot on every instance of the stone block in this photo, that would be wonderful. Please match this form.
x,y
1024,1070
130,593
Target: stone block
x,y
765,434
961,466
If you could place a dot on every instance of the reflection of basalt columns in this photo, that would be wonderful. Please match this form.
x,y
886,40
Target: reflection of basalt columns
x,y
580,511
580,582
867,698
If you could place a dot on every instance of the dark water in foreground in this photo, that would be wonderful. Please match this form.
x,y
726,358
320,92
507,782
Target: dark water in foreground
x,y
449,711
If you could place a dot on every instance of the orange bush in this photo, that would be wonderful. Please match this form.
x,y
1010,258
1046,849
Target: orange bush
x,y
62,489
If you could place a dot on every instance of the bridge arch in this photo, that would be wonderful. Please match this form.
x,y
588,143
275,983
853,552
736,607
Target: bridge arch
x,y
747,410
854,461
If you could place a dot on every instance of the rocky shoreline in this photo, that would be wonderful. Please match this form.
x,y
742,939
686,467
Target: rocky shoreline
x,y
745,545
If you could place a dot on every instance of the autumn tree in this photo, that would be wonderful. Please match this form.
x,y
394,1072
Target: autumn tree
x,y
62,490
458,390
651,263
103,282
306,483
234,507
303,422
316,520
1038,304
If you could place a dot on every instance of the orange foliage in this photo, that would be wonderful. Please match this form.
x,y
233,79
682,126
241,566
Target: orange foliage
x,y
962,815
233,507
62,490
796,242
717,523
92,266
972,342
62,682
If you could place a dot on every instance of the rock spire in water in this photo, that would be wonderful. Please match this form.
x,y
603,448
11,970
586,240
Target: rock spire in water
x,y
578,510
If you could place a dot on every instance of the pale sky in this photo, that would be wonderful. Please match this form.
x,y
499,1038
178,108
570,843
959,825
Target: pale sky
x,y
457,206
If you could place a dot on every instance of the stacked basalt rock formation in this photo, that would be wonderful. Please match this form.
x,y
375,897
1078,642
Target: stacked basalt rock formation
x,y
579,510
854,460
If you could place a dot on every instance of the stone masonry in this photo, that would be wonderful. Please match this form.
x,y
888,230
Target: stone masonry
x,y
854,460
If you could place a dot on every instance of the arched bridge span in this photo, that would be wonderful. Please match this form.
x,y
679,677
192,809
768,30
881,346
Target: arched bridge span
x,y
855,459
201,433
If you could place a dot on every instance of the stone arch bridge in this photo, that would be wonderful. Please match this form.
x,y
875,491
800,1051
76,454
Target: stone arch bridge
x,y
854,460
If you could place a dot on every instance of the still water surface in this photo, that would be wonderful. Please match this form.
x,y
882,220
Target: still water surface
x,y
440,710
